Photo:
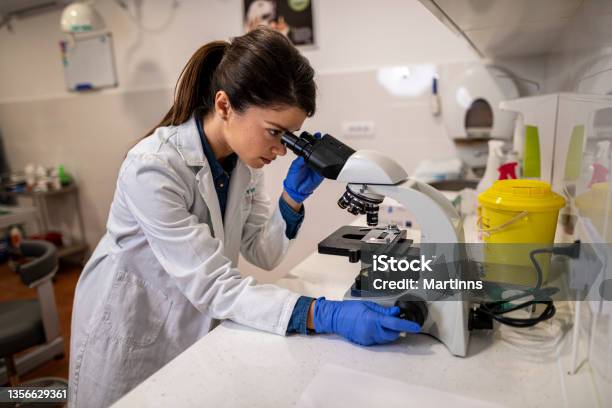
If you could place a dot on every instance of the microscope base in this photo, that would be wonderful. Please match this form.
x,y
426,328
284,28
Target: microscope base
x,y
447,319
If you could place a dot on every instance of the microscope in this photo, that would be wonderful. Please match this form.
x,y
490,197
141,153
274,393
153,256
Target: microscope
x,y
370,177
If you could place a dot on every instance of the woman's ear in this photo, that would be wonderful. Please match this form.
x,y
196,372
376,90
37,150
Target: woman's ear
x,y
222,105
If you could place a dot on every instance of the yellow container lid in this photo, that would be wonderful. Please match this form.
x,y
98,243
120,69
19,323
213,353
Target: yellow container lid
x,y
521,195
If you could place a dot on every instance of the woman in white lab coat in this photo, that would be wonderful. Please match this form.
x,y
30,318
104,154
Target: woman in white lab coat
x,y
189,199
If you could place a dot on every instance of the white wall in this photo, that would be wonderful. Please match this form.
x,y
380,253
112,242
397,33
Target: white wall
x,y
351,35
90,134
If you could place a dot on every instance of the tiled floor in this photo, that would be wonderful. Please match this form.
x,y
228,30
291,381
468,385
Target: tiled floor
x,y
64,283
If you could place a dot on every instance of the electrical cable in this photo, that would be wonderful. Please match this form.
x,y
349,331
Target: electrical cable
x,y
541,296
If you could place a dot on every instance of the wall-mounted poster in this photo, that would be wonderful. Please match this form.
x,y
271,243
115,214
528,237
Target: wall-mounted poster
x,y
290,17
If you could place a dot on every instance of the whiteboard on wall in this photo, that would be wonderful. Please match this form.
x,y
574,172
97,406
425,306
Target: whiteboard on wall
x,y
89,62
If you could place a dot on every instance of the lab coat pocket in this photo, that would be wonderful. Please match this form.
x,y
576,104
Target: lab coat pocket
x,y
136,311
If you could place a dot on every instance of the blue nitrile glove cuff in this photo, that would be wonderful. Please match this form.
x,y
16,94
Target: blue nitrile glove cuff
x,y
323,315
361,322
293,219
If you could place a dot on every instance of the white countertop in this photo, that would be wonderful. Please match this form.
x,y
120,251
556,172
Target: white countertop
x,y
234,366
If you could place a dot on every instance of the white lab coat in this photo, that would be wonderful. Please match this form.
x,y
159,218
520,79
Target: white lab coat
x,y
166,267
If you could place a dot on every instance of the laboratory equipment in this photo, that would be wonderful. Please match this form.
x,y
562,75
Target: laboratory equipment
x,y
550,133
470,95
81,17
459,301
370,177
470,102
521,212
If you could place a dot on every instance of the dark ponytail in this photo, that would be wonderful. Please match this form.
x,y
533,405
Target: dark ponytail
x,y
193,87
261,68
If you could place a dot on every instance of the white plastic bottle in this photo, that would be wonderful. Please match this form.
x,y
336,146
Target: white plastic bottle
x,y
586,172
494,160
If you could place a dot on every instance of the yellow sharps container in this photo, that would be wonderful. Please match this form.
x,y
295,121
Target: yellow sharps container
x,y
523,213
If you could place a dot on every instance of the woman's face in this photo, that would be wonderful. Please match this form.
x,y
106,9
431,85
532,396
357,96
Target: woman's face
x,y
255,134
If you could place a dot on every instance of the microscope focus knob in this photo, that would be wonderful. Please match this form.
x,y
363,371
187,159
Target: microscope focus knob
x,y
412,308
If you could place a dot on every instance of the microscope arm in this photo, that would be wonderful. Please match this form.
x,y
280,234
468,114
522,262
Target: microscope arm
x,y
439,221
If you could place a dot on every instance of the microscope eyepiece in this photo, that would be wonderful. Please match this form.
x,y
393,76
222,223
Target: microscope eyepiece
x,y
326,155
301,146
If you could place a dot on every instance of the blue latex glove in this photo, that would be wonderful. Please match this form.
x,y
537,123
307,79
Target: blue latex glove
x,y
361,322
301,181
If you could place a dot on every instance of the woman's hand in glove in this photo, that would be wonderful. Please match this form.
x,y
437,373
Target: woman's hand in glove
x,y
361,322
301,180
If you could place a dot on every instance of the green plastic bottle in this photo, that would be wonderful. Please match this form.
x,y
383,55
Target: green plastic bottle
x,y
63,176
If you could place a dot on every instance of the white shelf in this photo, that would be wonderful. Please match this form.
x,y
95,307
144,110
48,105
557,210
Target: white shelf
x,y
17,215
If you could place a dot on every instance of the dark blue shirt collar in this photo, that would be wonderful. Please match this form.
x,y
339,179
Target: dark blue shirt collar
x,y
215,167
